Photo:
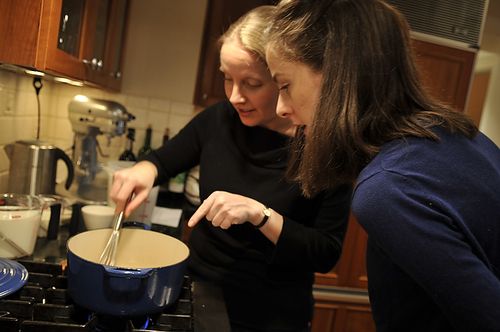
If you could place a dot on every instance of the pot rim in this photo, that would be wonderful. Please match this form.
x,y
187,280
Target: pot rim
x,y
125,268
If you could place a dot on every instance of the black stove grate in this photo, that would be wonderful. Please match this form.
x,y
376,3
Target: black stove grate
x,y
43,304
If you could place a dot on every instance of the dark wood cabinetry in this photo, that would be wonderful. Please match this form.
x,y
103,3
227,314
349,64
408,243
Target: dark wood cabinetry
x,y
445,71
76,39
350,271
341,295
103,49
341,315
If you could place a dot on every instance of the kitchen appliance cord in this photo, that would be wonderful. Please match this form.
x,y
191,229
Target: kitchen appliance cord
x,y
37,84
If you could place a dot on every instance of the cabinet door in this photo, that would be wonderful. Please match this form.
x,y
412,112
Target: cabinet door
x,y
340,316
445,71
94,43
350,270
105,32
19,22
115,44
220,14
61,33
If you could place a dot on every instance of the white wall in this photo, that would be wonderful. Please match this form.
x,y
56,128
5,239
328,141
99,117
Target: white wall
x,y
163,48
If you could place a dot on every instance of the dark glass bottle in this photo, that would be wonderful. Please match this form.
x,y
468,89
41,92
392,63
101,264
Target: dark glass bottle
x,y
128,154
146,148
166,135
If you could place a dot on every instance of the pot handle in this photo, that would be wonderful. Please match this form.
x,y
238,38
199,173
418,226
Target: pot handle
x,y
132,273
60,154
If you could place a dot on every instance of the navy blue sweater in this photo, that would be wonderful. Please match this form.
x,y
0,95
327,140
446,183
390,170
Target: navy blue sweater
x,y
432,214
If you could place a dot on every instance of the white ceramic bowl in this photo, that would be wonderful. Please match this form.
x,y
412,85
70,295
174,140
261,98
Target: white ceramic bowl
x,y
98,216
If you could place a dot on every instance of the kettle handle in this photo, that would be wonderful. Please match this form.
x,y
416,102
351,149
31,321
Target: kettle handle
x,y
9,148
60,154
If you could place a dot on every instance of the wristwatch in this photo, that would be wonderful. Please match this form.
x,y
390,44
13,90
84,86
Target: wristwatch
x,y
267,213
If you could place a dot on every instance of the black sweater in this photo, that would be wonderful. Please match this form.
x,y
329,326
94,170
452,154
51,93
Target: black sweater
x,y
265,286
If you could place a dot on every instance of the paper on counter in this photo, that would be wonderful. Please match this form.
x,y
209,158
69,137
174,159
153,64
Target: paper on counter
x,y
166,216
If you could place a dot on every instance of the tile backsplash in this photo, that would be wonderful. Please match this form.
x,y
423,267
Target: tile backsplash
x,y
19,116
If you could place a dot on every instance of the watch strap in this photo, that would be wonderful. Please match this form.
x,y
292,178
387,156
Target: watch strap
x,y
267,213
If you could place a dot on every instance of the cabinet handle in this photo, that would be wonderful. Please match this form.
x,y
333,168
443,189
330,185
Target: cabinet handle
x,y
95,64
65,20
116,75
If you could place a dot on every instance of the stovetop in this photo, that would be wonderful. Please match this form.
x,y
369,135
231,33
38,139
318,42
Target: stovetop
x,y
43,303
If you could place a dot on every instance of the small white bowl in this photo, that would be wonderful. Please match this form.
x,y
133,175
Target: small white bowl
x,y
98,216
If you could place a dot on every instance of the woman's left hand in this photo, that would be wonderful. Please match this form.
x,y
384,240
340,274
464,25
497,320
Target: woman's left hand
x,y
224,209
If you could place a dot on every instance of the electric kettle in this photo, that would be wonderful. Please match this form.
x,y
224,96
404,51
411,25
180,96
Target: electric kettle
x,y
33,167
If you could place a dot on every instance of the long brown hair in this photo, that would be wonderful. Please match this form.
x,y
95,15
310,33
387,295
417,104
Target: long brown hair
x,y
370,92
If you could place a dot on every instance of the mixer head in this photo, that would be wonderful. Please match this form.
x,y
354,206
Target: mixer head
x,y
109,117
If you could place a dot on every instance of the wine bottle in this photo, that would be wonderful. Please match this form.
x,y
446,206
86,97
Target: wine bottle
x,y
166,135
128,154
146,148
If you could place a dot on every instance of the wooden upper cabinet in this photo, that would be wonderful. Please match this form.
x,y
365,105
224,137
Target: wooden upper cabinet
x,y
19,27
60,46
104,42
445,71
115,44
220,14
81,40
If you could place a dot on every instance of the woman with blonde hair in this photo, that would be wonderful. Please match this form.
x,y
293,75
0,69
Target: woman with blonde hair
x,y
255,234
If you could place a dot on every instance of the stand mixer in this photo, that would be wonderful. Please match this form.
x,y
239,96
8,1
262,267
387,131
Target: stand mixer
x,y
89,118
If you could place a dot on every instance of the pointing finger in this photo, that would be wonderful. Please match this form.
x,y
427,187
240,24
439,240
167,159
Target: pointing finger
x,y
200,212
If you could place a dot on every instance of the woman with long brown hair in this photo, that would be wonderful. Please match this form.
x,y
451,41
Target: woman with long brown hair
x,y
427,182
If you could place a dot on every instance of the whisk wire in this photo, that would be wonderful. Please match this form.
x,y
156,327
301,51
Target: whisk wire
x,y
108,255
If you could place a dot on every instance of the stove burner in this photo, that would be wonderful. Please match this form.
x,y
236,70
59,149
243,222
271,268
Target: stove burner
x,y
104,323
43,304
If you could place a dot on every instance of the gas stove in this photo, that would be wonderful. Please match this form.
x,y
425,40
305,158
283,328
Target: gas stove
x,y
44,304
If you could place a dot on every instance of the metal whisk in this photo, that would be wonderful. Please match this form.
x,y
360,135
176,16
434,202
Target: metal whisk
x,y
109,253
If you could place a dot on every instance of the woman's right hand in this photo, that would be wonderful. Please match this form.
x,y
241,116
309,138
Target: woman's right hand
x,y
137,180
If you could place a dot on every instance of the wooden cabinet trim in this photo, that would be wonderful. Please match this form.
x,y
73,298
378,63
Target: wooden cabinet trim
x,y
341,294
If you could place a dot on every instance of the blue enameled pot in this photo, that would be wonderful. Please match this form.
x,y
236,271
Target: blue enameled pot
x,y
148,275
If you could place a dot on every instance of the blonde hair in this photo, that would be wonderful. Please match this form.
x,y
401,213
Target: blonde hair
x,y
250,30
